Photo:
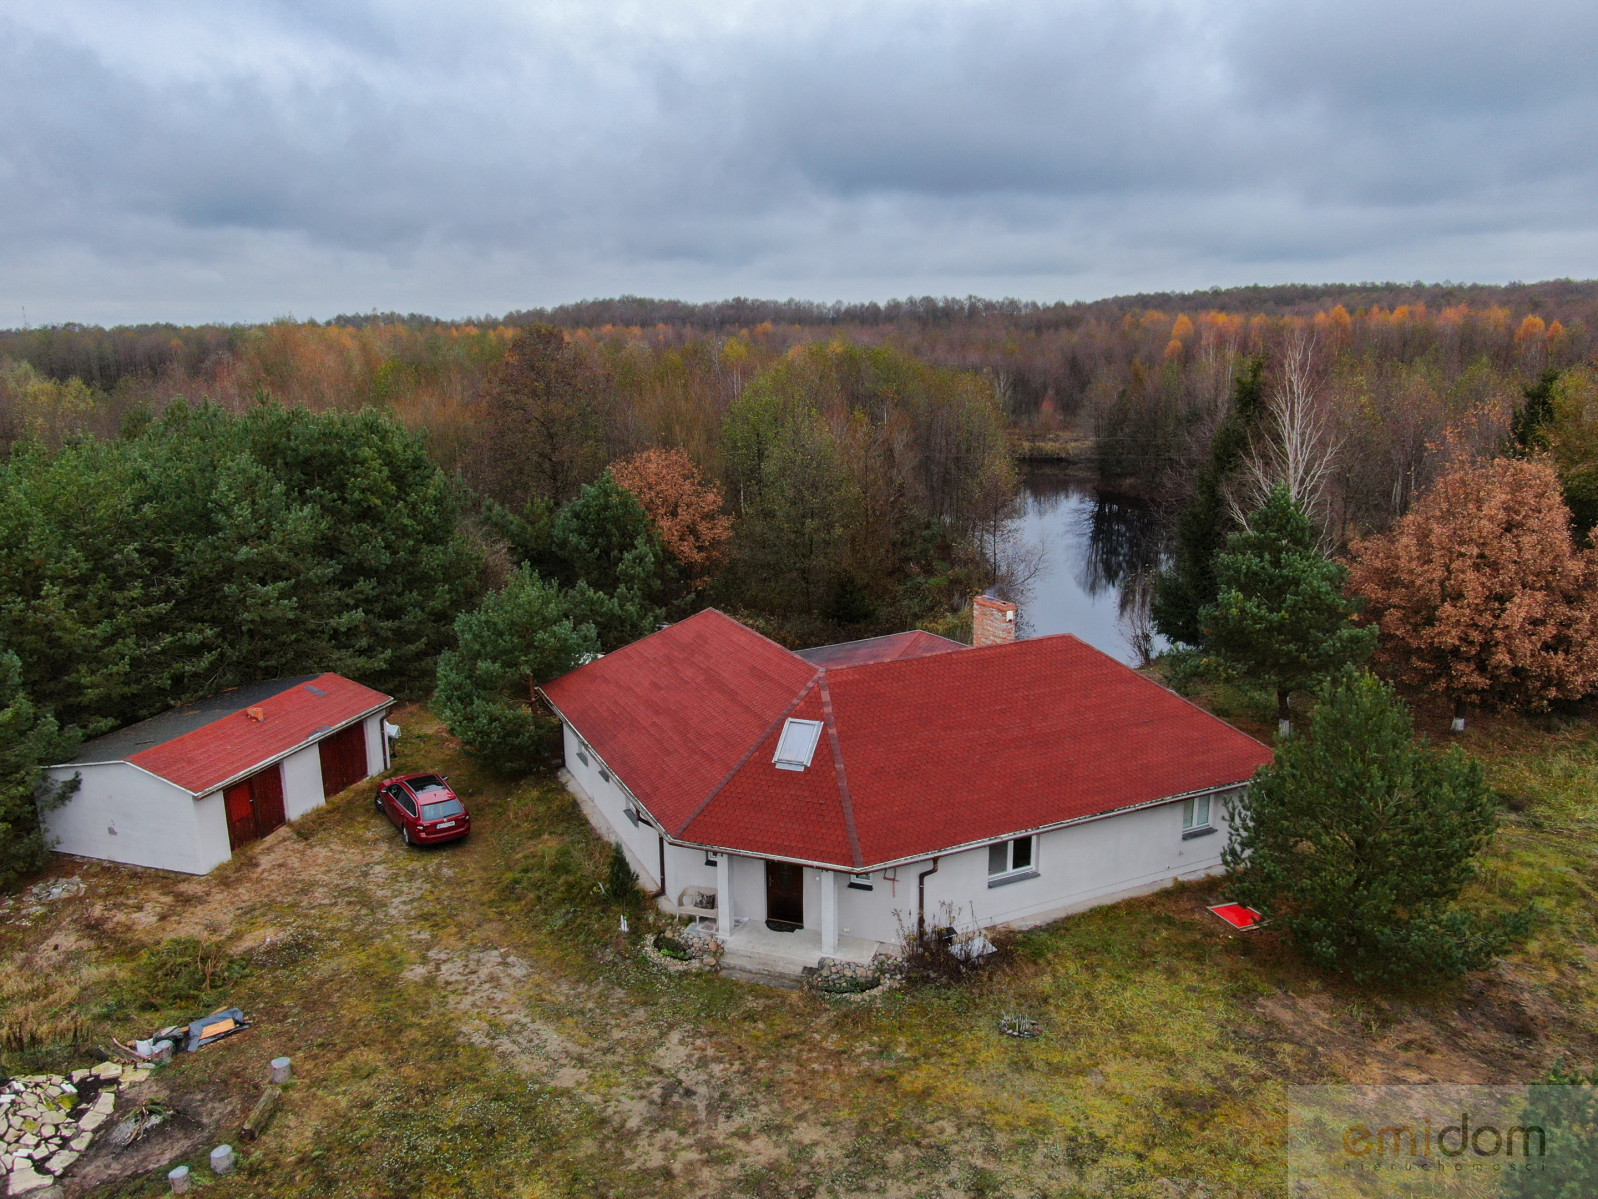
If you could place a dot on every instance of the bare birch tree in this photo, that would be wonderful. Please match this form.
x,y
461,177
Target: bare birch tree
x,y
1297,448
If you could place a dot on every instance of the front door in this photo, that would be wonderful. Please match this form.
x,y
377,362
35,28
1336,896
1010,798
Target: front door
x,y
785,896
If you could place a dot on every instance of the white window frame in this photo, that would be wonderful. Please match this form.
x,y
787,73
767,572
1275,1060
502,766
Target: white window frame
x,y
1011,872
801,737
1198,815
861,882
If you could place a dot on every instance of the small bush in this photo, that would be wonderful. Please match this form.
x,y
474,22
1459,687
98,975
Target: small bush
x,y
941,954
671,947
621,883
183,972
850,986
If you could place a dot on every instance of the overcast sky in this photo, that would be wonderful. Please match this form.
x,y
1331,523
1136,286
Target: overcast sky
x,y
201,160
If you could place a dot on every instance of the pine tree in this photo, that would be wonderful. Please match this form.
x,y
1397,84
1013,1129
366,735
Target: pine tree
x,y
1528,427
521,635
1357,842
1564,1106
1281,616
621,880
1202,528
29,741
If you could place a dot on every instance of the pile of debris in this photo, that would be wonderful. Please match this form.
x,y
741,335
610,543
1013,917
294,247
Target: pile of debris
x,y
48,1120
30,904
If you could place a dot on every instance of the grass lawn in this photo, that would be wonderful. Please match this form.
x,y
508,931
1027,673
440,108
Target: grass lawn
x,y
468,1020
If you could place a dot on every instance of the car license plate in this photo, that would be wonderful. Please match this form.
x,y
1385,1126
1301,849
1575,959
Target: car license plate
x,y
445,824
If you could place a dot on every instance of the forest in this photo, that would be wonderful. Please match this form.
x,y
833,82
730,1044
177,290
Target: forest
x,y
184,508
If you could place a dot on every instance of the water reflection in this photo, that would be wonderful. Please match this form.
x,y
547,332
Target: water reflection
x,y
1103,552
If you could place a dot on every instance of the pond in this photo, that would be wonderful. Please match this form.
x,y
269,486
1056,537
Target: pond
x,y
1100,553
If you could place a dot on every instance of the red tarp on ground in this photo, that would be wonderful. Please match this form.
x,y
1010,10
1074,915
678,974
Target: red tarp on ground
x,y
1237,915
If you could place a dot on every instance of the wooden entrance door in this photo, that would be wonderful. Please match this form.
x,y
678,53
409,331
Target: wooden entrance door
x,y
266,789
254,806
785,896
343,759
240,814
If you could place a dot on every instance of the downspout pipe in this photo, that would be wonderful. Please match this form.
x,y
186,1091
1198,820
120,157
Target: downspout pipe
x,y
921,898
661,890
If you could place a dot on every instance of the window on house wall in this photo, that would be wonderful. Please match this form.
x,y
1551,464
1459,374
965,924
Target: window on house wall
x,y
631,813
860,882
1196,816
582,754
1013,860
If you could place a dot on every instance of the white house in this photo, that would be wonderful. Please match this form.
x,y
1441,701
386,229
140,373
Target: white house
x,y
817,803
182,790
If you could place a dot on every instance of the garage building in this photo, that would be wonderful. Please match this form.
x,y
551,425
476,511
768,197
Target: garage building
x,y
183,790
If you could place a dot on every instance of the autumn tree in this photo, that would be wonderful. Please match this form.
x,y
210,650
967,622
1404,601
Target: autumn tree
x,y
1480,593
684,508
1357,842
545,432
1281,616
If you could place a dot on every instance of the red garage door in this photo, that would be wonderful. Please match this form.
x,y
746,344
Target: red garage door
x,y
343,759
254,807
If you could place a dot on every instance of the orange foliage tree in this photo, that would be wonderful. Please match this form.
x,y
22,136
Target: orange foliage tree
x,y
685,509
1480,592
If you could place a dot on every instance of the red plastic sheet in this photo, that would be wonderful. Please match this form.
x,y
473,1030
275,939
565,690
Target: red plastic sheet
x,y
1237,915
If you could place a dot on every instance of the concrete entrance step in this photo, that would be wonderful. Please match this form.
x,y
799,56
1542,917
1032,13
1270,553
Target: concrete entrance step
x,y
766,978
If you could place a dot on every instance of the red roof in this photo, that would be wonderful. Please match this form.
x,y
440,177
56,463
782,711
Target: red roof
x,y
918,754
675,713
236,743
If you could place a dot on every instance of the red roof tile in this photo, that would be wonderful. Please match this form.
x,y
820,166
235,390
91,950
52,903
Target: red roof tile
x,y
919,754
236,743
675,713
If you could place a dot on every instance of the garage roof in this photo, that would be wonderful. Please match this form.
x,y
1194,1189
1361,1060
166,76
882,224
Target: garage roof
x,y
202,745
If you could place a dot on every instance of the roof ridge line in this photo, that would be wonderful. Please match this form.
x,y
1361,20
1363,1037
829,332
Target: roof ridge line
x,y
682,829
843,777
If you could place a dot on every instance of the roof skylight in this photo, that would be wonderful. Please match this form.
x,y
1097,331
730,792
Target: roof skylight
x,y
797,745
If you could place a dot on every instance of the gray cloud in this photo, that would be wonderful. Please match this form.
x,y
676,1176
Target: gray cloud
x,y
236,161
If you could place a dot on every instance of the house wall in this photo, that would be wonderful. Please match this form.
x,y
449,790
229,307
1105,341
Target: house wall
x,y
155,823
749,890
640,841
1079,866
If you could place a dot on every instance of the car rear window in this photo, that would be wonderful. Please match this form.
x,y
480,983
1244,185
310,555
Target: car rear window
x,y
426,782
443,810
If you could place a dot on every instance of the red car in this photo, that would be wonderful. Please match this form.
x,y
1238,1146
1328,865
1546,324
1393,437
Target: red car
x,y
424,807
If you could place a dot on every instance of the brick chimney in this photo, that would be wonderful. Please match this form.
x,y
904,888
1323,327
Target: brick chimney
x,y
992,620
